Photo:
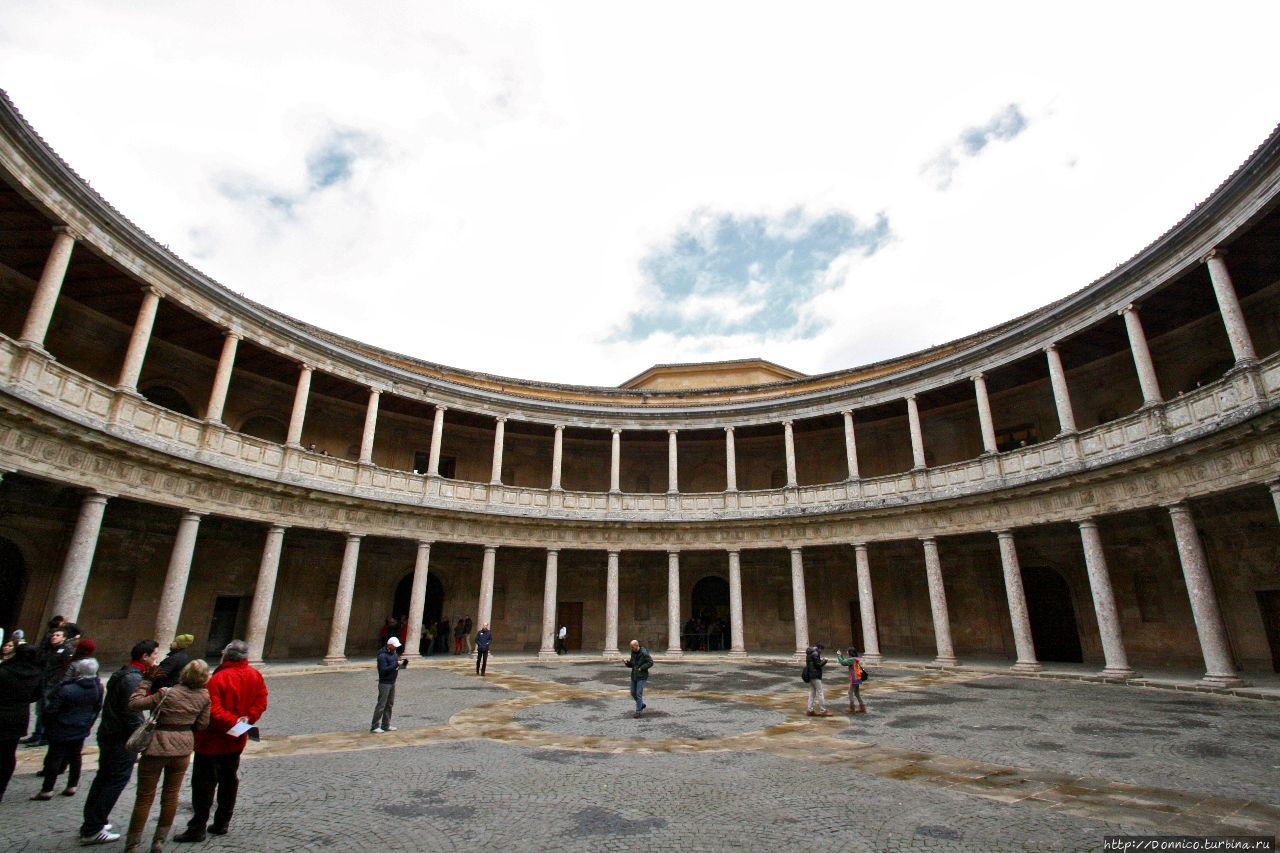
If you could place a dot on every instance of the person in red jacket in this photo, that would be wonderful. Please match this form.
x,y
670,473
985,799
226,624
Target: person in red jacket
x,y
237,694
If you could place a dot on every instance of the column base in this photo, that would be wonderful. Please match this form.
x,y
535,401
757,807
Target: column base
x,y
868,658
336,660
547,654
1115,672
1221,681
612,653
737,653
1025,666
946,661
673,653
800,656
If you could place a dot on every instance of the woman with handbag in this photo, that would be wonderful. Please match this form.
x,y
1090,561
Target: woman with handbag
x,y
177,713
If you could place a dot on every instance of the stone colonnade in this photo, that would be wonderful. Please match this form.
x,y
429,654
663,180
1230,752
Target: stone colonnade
x,y
1210,628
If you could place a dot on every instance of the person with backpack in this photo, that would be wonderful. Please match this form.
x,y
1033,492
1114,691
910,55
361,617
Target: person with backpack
x,y
814,662
857,675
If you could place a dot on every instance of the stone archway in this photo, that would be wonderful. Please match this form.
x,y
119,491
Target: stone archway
x,y
13,580
1053,615
432,607
710,608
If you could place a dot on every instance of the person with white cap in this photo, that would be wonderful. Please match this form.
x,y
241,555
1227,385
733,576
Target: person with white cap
x,y
389,664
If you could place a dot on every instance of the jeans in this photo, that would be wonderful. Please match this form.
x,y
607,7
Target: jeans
x,y
637,693
62,752
115,766
817,698
174,768
382,710
213,772
482,660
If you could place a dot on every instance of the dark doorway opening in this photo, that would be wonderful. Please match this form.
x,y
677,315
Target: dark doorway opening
x,y
1053,616
569,615
855,624
222,627
1269,604
708,630
432,607
13,580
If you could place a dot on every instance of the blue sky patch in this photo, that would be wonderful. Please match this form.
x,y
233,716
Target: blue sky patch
x,y
734,274
1001,127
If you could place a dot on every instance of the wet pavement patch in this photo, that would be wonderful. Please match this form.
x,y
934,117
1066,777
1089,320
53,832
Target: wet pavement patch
x,y
598,821
915,721
943,833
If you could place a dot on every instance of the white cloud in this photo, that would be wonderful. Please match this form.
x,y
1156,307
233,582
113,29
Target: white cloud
x,y
529,158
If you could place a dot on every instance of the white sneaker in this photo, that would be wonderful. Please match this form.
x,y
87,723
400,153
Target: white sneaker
x,y
104,836
391,729
377,731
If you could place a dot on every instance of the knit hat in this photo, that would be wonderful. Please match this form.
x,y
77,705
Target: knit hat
x,y
86,648
183,640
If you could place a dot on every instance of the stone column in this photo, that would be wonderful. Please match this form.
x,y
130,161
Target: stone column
x,y
730,462
342,604
938,604
1220,669
799,604
789,444
737,647
417,600
222,378
75,567
294,436
1147,379
549,626
557,459
437,435
673,604
611,606
615,462
673,479
1061,396
867,605
40,313
175,579
485,613
131,368
495,473
1104,602
917,437
370,426
1022,640
850,446
985,420
1229,308
263,593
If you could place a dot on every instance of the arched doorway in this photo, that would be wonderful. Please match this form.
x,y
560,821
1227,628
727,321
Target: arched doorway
x,y
13,580
169,398
431,609
708,630
1052,614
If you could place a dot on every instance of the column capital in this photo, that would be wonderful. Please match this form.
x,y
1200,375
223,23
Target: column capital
x,y
734,550
613,553
1177,507
673,551
375,390
233,333
502,419
1127,309
974,377
1053,347
788,422
354,537
306,368
910,397
68,231
795,549
1274,487
99,497
558,427
553,552
848,413
616,430
193,513
672,431
1087,521
489,548
1215,252
274,527
425,543
859,546
441,407
151,290
1003,532
928,539
728,429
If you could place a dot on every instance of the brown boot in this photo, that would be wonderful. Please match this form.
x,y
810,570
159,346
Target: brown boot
x,y
157,840
133,843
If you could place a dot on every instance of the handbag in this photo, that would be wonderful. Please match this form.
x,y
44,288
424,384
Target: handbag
x,y
142,735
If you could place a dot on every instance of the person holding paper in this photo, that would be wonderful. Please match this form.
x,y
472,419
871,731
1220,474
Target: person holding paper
x,y
237,695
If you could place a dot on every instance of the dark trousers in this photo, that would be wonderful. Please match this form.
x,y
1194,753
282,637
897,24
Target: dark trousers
x,y
115,767
482,660
220,773
62,753
8,761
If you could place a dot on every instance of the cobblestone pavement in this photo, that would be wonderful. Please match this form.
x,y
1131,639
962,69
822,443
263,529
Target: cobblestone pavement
x,y
542,755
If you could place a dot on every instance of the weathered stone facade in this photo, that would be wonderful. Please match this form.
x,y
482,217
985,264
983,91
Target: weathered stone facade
x,y
1093,481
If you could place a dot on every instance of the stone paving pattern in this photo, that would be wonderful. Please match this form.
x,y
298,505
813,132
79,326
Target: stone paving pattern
x,y
545,755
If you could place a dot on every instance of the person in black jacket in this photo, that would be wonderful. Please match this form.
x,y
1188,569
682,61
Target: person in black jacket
x,y
173,663
639,663
389,663
817,698
55,657
68,718
19,687
483,638
115,763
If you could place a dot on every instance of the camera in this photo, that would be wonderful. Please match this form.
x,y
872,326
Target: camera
x,y
404,663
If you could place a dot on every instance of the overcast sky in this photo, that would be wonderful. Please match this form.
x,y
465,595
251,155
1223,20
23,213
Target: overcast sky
x,y
573,192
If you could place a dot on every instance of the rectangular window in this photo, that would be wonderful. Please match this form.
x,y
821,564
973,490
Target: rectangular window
x,y
1022,435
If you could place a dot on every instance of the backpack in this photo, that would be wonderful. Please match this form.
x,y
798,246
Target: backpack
x,y
804,674
860,672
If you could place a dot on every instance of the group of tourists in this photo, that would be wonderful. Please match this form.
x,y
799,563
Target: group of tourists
x,y
154,713
814,665
443,637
